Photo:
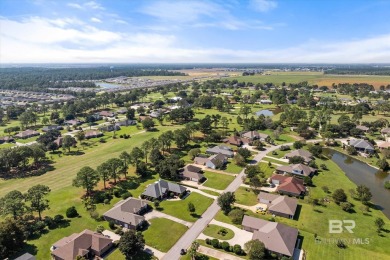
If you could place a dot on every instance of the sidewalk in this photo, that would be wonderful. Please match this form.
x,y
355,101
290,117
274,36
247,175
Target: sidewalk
x,y
157,214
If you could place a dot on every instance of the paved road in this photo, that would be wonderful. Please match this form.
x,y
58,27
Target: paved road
x,y
197,228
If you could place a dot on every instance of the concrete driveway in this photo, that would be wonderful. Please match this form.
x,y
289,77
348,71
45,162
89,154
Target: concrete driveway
x,y
111,235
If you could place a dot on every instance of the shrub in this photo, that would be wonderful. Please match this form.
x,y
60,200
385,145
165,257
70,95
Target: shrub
x,y
325,189
346,206
225,246
100,229
126,195
111,225
340,244
58,218
324,167
118,192
237,249
119,231
50,223
94,215
106,201
215,243
284,148
208,241
71,212
236,215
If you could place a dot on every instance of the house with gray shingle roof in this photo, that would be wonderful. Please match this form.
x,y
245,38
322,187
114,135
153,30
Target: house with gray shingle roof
x,y
296,169
223,149
306,155
127,213
160,189
279,205
192,173
362,145
277,238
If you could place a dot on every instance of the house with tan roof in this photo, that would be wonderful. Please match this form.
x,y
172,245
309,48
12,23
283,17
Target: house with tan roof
x,y
299,170
87,244
192,173
234,140
26,134
254,135
213,162
277,238
288,185
279,205
128,213
306,155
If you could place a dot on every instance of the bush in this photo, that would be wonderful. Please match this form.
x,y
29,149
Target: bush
x,y
237,249
112,225
346,206
50,223
94,215
71,212
340,244
58,218
126,195
225,246
215,243
324,167
236,216
208,241
106,201
284,148
118,192
100,229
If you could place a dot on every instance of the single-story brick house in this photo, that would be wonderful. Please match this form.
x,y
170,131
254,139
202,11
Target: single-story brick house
x,y
297,170
288,185
26,134
279,205
192,173
160,189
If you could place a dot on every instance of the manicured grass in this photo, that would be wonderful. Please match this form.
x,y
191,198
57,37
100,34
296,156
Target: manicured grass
x,y
274,161
233,168
203,243
117,255
217,181
246,196
179,208
268,171
215,231
211,192
163,233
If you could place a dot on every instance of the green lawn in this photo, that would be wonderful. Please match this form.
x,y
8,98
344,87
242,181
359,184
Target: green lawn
x,y
163,233
179,208
274,161
217,181
246,196
268,171
233,168
315,221
211,192
117,255
214,231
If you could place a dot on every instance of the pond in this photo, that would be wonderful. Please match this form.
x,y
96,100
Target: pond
x,y
106,85
363,174
264,112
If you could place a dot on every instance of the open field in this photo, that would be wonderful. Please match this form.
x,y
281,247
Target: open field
x,y
163,233
317,78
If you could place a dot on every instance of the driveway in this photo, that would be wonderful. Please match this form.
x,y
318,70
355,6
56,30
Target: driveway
x,y
111,235
240,236
157,214
217,254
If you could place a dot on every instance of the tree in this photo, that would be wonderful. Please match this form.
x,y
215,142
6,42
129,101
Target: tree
x,y
297,145
307,181
87,178
45,121
148,124
12,203
296,160
255,249
68,141
12,237
316,150
236,215
225,201
244,152
245,110
36,196
193,251
339,196
379,223
126,160
193,153
205,125
80,135
351,150
383,164
239,160
136,155
146,146
130,114
363,193
155,156
346,206
115,165
255,182
104,172
131,243
191,207
251,171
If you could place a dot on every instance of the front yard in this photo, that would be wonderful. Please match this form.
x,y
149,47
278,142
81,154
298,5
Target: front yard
x,y
217,181
246,196
163,233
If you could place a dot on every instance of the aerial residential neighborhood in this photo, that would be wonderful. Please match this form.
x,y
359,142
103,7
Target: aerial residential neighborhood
x,y
194,130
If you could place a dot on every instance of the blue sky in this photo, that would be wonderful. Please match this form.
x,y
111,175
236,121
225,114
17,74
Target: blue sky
x,y
261,31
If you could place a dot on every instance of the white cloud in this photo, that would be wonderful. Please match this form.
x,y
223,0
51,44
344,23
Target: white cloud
x,y
264,5
96,20
120,21
39,39
74,5
94,5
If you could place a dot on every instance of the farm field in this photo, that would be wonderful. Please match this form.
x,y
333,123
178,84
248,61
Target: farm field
x,y
314,78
